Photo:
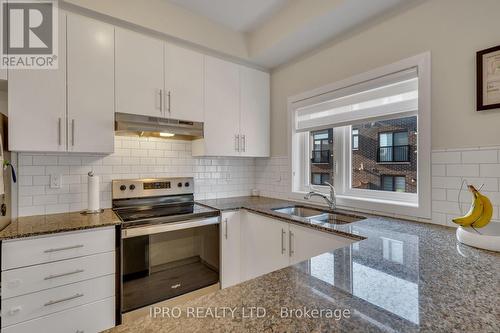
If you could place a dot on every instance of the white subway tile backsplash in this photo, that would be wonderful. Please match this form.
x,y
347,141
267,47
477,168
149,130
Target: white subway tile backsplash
x,y
462,170
446,157
133,158
224,177
490,170
480,156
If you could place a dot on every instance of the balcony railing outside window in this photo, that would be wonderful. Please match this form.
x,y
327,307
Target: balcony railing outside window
x,y
320,156
393,154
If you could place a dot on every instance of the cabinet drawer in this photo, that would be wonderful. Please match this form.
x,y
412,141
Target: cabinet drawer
x,y
38,250
42,303
30,279
93,317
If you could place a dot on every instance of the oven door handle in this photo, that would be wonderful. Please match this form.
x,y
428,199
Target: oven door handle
x,y
167,227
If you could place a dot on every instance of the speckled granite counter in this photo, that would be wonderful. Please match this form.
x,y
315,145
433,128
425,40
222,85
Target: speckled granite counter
x,y
54,223
402,277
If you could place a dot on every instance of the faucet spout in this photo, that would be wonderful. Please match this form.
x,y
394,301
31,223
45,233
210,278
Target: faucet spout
x,y
331,200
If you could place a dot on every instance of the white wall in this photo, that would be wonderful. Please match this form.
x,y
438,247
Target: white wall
x,y
453,30
133,158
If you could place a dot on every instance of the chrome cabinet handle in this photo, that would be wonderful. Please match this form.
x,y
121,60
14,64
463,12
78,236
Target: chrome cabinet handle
x,y
63,299
63,248
59,131
244,143
53,276
225,231
290,235
283,249
161,100
72,132
169,99
237,142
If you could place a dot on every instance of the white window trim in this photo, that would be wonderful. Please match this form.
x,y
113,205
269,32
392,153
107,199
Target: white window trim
x,y
405,205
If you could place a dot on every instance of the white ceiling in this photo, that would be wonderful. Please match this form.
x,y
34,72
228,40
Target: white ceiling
x,y
240,15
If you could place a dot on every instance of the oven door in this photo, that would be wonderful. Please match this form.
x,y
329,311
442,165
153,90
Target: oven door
x,y
167,260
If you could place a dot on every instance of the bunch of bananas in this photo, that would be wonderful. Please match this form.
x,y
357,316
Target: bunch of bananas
x,y
480,211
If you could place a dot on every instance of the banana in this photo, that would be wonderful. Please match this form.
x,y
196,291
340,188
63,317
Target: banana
x,y
485,217
475,212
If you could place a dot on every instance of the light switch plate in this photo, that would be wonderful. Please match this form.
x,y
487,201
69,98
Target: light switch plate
x,y
55,181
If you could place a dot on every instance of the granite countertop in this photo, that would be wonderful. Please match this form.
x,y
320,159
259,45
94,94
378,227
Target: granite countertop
x,y
53,223
401,277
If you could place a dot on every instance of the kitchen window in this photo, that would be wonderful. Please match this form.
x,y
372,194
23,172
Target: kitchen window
x,y
378,142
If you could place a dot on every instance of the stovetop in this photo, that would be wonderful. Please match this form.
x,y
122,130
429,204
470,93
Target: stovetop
x,y
150,215
153,212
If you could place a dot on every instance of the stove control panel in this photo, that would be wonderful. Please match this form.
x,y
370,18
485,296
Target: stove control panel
x,y
138,188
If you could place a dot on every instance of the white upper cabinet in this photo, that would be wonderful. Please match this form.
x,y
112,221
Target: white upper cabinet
x,y
139,74
237,118
90,85
254,112
222,117
183,83
37,104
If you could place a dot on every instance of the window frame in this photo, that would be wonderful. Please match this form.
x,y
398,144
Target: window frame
x,y
395,203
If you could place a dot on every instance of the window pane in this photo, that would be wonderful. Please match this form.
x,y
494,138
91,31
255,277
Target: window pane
x,y
377,157
385,139
387,183
401,139
321,160
355,142
399,184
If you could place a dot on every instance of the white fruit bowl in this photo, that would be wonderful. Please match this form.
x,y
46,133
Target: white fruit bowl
x,y
488,239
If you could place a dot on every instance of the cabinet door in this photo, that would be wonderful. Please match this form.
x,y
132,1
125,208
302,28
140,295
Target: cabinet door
x,y
139,74
222,116
254,112
305,243
183,83
3,74
37,104
230,248
90,85
264,245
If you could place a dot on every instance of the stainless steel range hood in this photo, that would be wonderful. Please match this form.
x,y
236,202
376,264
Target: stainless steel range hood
x,y
126,124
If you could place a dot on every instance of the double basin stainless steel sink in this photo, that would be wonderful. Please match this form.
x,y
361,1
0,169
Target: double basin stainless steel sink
x,y
318,215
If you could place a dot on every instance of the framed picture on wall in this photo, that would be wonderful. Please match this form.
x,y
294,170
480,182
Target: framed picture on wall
x,y
488,79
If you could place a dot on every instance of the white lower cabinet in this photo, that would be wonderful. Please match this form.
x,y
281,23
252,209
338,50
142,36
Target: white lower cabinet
x,y
230,248
306,243
265,244
59,283
92,317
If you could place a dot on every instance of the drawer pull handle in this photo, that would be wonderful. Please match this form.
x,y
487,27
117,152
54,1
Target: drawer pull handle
x,y
53,276
63,299
63,248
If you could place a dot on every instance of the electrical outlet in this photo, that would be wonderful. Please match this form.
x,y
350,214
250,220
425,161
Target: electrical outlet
x,y
55,181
